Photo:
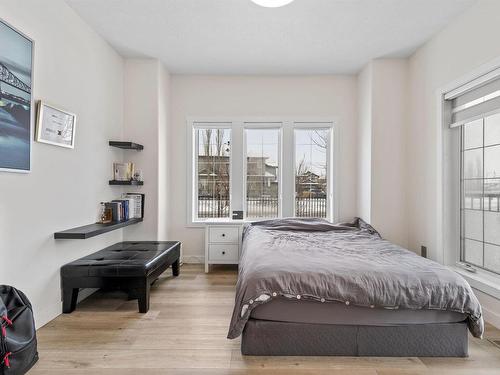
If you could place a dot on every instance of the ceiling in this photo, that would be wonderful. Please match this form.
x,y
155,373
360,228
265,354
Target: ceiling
x,y
239,37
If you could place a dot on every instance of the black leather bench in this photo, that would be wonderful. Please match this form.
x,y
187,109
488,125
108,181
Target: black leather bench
x,y
130,266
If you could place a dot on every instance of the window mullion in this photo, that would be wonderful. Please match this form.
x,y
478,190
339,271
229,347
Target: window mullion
x,y
288,171
237,167
482,198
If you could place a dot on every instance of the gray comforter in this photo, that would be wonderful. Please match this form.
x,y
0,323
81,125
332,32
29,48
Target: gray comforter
x,y
312,259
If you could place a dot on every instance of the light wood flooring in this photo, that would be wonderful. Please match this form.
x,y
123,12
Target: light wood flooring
x,y
185,330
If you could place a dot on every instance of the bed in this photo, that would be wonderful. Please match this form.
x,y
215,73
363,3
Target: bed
x,y
310,287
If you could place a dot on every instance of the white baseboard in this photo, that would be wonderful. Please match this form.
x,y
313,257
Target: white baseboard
x,y
193,259
491,317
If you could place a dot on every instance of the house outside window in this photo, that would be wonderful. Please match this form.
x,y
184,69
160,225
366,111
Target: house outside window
x,y
262,173
311,170
213,160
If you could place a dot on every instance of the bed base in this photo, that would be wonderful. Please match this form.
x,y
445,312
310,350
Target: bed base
x,y
271,338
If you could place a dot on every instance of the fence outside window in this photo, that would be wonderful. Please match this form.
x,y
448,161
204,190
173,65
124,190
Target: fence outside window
x,y
260,208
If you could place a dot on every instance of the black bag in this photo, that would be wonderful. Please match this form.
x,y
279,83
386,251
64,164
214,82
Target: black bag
x,y
18,351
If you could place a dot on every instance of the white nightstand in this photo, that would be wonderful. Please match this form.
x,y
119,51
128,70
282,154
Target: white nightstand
x,y
222,244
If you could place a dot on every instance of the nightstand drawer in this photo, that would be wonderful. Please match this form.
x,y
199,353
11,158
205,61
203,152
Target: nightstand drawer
x,y
223,253
223,235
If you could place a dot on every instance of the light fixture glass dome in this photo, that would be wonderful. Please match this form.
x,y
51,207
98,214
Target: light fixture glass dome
x,y
272,3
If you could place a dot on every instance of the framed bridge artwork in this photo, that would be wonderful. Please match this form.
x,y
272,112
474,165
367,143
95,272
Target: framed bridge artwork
x,y
55,126
16,99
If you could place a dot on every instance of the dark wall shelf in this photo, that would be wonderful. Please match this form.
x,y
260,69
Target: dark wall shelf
x,y
92,230
126,145
132,182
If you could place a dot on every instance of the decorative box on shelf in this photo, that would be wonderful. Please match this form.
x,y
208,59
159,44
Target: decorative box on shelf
x,y
222,244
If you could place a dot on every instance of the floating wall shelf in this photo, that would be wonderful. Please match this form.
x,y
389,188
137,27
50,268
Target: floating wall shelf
x,y
132,182
92,230
126,145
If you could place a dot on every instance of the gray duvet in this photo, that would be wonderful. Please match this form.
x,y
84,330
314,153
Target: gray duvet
x,y
312,259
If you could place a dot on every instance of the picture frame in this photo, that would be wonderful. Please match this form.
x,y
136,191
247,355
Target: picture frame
x,y
17,114
55,126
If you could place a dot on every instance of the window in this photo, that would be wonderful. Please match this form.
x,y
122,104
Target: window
x,y
265,169
474,116
480,203
311,172
262,173
213,172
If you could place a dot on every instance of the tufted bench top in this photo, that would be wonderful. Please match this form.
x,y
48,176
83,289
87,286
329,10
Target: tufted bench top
x,y
124,259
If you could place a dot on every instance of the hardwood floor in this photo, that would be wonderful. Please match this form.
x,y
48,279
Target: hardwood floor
x,y
185,333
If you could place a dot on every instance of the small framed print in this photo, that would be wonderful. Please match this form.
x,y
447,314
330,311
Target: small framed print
x,y
55,126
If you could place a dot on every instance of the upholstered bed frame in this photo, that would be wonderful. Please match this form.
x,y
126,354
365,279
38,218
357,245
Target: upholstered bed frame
x,y
311,288
272,338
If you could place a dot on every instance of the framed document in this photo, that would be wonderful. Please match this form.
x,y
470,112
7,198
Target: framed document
x,y
16,99
55,126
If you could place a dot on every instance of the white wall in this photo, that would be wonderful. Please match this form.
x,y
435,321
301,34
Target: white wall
x,y
76,70
388,174
382,121
163,137
467,43
364,139
145,121
257,96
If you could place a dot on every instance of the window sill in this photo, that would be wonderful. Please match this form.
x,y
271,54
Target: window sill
x,y
482,281
202,223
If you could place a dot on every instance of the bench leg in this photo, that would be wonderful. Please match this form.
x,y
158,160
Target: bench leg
x,y
176,267
70,296
144,298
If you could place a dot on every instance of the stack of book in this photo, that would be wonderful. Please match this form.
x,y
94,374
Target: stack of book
x,y
123,171
130,206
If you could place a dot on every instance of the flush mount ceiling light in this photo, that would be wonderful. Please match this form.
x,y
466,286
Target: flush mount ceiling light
x,y
272,3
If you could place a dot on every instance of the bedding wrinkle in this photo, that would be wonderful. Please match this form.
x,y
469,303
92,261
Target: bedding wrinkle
x,y
313,260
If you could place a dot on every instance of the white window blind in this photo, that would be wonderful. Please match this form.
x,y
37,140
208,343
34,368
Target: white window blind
x,y
475,100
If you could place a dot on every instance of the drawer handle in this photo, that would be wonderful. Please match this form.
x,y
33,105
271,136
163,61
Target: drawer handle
x,y
223,253
223,234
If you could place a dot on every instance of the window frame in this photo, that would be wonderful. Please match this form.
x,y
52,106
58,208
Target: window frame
x,y
238,163
447,249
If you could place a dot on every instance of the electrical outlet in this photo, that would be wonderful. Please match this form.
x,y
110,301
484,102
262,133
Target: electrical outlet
x,y
423,251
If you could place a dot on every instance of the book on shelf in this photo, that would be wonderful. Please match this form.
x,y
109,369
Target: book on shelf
x,y
123,171
129,206
137,203
124,209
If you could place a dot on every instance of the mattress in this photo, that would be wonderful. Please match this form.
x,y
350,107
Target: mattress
x,y
289,310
